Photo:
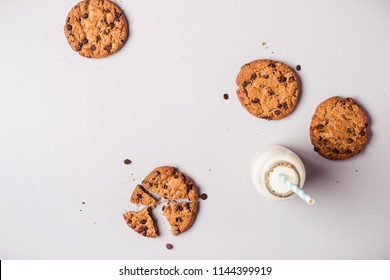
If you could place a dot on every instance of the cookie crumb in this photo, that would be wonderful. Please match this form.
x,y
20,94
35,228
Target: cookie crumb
x,y
203,196
127,161
83,202
298,67
226,96
356,170
169,246
263,43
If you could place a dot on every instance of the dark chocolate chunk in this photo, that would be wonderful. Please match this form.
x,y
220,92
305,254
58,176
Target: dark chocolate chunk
x,y
291,79
178,219
298,67
93,48
226,96
143,221
282,79
253,77
349,140
255,100
277,112
348,151
85,41
320,126
169,246
108,47
272,65
203,196
362,133
126,161
84,16
69,27
335,151
112,25
265,76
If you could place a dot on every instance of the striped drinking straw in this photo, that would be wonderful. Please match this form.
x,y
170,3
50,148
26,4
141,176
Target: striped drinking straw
x,y
295,189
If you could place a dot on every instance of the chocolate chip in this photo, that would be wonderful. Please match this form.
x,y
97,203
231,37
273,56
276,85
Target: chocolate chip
x,y
335,151
348,151
175,176
280,106
69,27
349,140
320,126
165,186
189,187
79,46
343,102
163,207
291,79
255,100
285,106
270,92
226,96
105,32
317,149
85,41
272,65
178,219
108,47
362,133
143,221
179,208
325,141
93,48
108,11
169,246
98,38
277,112
112,25
253,77
203,196
144,228
126,161
265,76
244,84
349,130
298,67
282,79
84,16
117,16
187,205
139,195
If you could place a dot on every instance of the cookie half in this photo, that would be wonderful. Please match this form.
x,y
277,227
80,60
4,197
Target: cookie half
x,y
140,195
96,28
339,128
180,215
170,183
141,222
268,89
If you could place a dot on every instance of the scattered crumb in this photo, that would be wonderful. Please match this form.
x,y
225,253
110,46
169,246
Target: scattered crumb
x,y
209,169
337,182
273,52
356,170
81,210
83,202
263,43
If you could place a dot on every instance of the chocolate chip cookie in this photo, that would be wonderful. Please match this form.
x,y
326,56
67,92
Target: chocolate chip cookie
x,y
140,195
268,89
142,222
170,183
339,128
180,215
96,28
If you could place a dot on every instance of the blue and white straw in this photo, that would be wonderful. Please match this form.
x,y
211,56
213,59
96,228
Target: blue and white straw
x,y
295,189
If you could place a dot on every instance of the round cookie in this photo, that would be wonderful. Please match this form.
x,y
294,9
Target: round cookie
x,y
268,89
339,128
170,183
96,28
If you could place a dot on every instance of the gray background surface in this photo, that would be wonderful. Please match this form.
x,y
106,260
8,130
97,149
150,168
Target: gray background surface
x,y
67,123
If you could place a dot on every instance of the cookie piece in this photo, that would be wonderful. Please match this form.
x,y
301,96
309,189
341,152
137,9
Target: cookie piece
x,y
180,215
140,195
96,28
170,183
339,128
268,89
142,222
